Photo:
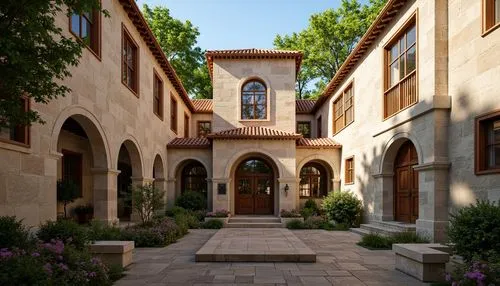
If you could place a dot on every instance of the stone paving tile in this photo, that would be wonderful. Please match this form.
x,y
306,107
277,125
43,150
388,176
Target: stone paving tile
x,y
339,262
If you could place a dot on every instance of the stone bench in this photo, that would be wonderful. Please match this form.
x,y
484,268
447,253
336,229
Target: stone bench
x,y
113,252
425,262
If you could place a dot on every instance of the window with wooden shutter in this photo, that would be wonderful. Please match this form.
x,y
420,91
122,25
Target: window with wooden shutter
x,y
487,149
157,95
349,170
491,15
173,114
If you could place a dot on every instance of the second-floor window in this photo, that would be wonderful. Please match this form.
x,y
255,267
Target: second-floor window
x,y
401,70
186,125
304,128
343,108
86,27
157,95
19,134
491,14
129,62
173,114
349,170
204,128
253,100
487,149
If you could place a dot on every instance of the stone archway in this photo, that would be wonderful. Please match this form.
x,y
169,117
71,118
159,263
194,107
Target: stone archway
x,y
129,163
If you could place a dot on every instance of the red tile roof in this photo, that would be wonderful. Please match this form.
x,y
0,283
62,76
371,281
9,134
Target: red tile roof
x,y
254,132
147,35
189,143
317,143
203,105
383,19
304,105
252,54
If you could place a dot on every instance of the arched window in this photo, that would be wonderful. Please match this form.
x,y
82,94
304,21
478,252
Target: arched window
x,y
194,178
313,181
254,100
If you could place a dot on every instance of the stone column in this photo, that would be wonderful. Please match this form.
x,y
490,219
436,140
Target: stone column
x,y
159,184
210,195
171,193
137,182
223,201
384,197
433,200
287,199
335,185
105,194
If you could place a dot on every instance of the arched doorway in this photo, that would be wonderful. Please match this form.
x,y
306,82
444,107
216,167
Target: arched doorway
x,y
130,166
406,184
313,181
254,193
194,178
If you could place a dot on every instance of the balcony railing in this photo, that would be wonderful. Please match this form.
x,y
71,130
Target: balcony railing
x,y
401,95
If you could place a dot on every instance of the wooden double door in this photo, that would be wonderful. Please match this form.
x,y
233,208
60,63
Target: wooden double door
x,y
254,192
406,184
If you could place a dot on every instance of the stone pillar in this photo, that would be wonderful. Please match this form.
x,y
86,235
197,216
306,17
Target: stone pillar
x,y
433,200
137,182
287,199
335,185
171,193
384,197
223,201
160,184
105,194
210,195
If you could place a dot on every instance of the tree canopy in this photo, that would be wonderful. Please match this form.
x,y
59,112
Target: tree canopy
x,y
327,41
34,55
178,41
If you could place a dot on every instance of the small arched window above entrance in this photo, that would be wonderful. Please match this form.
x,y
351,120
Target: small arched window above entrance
x,y
254,100
313,181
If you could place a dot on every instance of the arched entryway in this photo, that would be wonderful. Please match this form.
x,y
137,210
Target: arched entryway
x,y
130,167
254,182
313,181
406,184
194,178
158,173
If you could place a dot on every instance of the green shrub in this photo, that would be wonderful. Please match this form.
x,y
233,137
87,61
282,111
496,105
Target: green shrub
x,y
160,233
66,230
375,241
311,204
341,226
193,201
13,233
408,237
290,213
342,207
183,223
213,224
67,192
475,230
175,210
295,224
102,231
306,213
147,201
314,222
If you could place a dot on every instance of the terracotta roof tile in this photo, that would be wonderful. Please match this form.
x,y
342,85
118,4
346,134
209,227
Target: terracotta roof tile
x,y
304,105
317,143
254,132
189,143
252,54
203,105
388,12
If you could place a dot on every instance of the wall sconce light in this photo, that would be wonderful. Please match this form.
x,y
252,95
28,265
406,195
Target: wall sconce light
x,y
286,189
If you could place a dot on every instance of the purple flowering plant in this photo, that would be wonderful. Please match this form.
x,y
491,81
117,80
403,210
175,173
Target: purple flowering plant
x,y
218,213
475,273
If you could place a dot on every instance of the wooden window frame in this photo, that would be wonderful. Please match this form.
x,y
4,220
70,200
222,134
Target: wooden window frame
x,y
95,44
173,113
186,125
266,113
342,99
411,76
304,122
323,186
480,167
80,168
158,93
488,17
346,171
126,36
319,131
198,129
25,129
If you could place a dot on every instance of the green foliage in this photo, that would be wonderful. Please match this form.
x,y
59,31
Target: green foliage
x,y
310,209
178,41
375,241
67,192
147,201
295,224
102,231
314,222
290,213
65,230
158,233
172,212
306,213
342,207
193,201
327,41
408,237
14,234
213,224
476,272
35,56
475,230
311,204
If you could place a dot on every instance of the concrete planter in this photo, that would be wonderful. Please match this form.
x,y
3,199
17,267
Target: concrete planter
x,y
223,219
285,220
113,252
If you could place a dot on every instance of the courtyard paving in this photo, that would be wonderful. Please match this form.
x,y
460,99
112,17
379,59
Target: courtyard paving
x,y
339,262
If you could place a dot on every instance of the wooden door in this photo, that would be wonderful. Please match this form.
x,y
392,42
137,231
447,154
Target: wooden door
x,y
406,184
244,195
254,188
263,193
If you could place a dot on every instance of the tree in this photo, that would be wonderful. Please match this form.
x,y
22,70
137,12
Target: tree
x,y
67,192
34,55
146,200
178,41
328,40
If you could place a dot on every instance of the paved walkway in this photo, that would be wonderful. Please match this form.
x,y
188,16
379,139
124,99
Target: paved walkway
x,y
339,262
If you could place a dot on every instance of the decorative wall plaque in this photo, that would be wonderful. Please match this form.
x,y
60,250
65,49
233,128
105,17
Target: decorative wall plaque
x,y
221,189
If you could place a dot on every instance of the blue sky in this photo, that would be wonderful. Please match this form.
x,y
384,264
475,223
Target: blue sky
x,y
237,24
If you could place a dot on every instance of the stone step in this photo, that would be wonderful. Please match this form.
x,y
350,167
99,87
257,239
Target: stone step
x,y
254,220
359,231
373,228
254,225
395,225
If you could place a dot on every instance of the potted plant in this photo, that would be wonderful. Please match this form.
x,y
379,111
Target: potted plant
x,y
287,216
84,213
67,192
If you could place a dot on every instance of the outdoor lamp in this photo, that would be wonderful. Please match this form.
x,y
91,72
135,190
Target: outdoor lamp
x,y
286,189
